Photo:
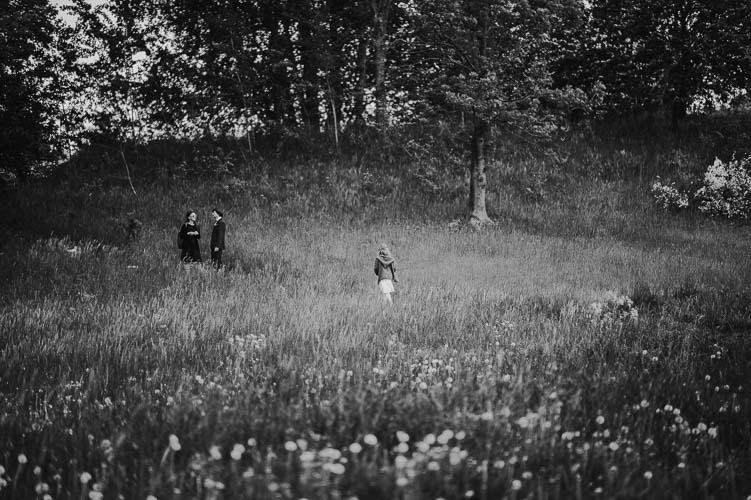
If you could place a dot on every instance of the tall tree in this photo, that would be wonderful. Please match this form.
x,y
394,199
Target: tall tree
x,y
31,61
663,54
490,60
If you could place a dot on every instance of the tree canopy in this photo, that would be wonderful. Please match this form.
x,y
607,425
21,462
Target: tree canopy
x,y
134,70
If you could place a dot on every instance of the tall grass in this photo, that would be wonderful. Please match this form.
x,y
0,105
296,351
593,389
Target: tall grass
x,y
492,376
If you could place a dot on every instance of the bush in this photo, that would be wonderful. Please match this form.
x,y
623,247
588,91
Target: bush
x,y
669,196
727,189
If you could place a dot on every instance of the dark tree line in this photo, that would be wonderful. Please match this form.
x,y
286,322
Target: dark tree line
x,y
134,69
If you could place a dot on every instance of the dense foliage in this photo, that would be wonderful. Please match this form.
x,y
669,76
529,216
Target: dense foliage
x,y
136,70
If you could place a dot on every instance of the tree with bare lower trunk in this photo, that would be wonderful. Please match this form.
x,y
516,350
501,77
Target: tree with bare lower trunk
x,y
490,61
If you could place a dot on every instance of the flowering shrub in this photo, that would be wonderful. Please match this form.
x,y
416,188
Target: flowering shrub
x,y
613,307
727,188
669,196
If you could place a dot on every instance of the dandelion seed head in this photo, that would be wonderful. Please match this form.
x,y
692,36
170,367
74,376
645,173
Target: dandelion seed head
x,y
237,451
370,439
337,469
174,443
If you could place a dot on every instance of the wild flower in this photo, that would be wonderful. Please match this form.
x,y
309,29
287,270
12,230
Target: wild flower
x,y
237,451
668,196
329,453
174,443
370,439
611,308
726,190
445,436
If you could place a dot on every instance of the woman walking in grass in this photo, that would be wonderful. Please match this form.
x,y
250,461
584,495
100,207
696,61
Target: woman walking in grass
x,y
385,269
189,236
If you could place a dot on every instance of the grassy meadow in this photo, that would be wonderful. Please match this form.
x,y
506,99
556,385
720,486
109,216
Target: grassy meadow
x,y
588,345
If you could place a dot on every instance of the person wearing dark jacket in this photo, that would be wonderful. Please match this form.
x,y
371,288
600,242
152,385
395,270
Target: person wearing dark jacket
x,y
217,239
189,236
385,269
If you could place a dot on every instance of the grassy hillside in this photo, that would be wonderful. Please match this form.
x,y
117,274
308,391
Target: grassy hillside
x,y
586,346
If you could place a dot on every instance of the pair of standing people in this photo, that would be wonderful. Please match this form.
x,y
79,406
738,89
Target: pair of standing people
x,y
190,233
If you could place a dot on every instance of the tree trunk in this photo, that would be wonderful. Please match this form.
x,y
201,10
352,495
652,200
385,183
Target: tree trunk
x,y
309,49
381,10
362,81
334,65
478,179
278,44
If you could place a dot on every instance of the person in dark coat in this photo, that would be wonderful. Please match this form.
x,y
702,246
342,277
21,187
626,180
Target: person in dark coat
x,y
190,233
217,239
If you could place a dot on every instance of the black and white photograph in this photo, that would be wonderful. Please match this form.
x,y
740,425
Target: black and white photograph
x,y
375,249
